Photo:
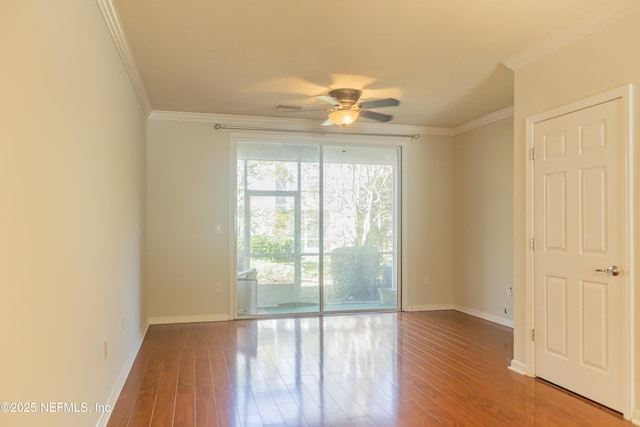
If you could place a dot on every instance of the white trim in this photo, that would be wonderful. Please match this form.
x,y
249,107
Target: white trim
x,y
117,389
484,120
518,367
182,116
293,124
470,311
307,124
586,26
233,228
636,417
163,320
110,15
430,307
632,161
626,94
486,316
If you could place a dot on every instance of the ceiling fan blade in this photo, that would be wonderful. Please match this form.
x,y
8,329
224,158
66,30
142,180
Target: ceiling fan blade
x,y
379,103
288,107
328,99
327,122
375,116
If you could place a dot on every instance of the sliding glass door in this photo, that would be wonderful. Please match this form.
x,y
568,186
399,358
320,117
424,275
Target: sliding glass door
x,y
316,228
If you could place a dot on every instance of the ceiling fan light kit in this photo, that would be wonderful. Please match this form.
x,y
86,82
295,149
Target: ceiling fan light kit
x,y
344,117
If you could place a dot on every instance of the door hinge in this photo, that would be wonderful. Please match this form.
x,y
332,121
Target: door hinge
x,y
532,153
533,335
532,244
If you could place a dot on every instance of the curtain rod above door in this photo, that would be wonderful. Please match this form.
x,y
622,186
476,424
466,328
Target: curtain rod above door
x,y
219,126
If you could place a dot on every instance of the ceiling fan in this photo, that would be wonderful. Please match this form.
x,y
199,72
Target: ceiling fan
x,y
346,107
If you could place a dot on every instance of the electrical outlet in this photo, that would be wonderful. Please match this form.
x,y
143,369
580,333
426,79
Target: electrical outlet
x,y
509,290
218,288
425,280
218,228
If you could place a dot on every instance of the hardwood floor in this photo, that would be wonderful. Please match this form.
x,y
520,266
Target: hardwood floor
x,y
390,369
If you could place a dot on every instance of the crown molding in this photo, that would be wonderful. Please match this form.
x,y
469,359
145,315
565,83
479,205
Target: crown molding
x,y
588,25
110,15
293,124
312,125
484,120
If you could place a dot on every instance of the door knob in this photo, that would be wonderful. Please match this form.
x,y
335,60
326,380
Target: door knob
x,y
612,270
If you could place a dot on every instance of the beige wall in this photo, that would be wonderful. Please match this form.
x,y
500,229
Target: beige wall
x,y
604,60
430,223
72,138
188,193
484,221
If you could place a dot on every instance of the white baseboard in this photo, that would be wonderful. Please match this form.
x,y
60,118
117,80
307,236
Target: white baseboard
x,y
188,319
486,316
117,389
429,307
635,419
518,367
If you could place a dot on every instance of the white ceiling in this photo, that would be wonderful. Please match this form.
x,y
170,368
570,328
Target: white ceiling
x,y
441,58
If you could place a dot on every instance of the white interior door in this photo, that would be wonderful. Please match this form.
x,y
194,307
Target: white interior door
x,y
579,226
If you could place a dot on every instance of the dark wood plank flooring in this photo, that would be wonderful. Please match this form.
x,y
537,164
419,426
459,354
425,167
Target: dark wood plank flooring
x,y
439,368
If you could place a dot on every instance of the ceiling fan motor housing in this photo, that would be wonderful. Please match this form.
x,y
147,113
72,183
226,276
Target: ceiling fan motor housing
x,y
347,97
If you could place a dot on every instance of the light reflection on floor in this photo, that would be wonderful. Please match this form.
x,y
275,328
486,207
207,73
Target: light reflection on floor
x,y
332,366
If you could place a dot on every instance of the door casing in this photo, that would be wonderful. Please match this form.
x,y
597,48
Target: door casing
x,y
624,93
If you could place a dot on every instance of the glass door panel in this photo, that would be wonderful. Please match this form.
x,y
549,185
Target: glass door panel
x,y
278,230
360,197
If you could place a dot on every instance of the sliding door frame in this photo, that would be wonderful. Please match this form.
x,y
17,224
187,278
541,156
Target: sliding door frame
x,y
346,140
